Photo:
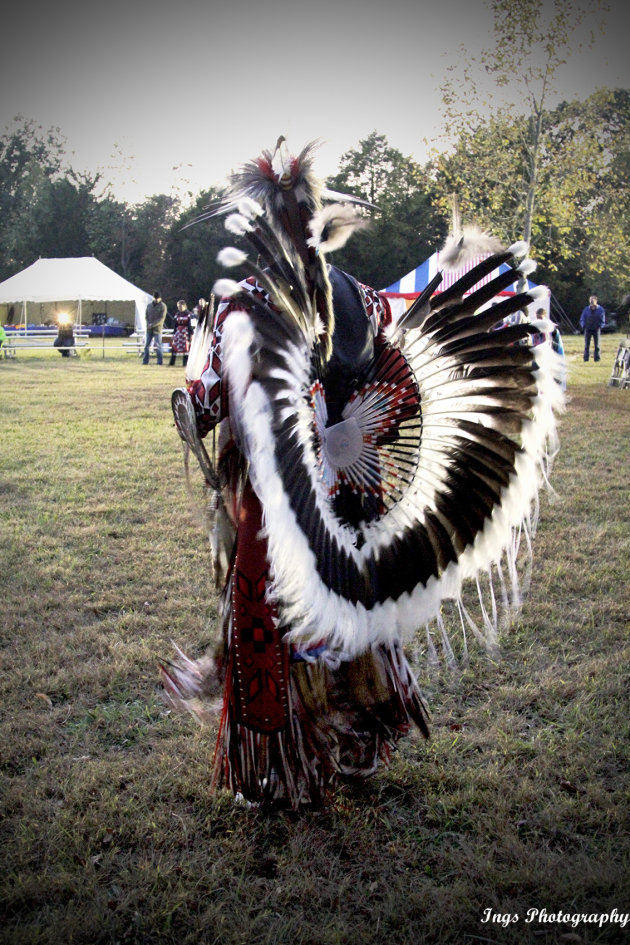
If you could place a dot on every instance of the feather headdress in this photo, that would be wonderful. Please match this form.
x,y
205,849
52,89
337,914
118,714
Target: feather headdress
x,y
276,203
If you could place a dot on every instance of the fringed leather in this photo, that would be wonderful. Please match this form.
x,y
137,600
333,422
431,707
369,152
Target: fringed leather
x,y
344,722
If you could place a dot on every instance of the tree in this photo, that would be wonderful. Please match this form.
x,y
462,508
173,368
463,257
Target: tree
x,y
150,225
108,231
585,201
533,39
525,169
405,229
536,48
484,172
579,223
192,251
30,160
375,171
61,217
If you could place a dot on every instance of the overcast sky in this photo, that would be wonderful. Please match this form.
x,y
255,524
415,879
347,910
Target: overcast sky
x,y
168,95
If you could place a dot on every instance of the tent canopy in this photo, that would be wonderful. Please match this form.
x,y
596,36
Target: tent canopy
x,y
82,279
412,284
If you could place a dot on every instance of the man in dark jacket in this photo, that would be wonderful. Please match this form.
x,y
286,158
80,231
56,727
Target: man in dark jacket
x,y
592,320
155,317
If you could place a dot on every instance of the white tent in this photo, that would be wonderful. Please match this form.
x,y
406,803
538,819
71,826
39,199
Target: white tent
x,y
83,279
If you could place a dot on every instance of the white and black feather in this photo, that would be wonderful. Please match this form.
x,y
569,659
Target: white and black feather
x,y
444,440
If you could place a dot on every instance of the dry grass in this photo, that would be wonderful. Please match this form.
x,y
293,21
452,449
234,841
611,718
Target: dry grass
x,y
109,833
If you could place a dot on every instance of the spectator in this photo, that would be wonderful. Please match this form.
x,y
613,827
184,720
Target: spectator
x,y
592,320
180,343
554,334
155,318
65,337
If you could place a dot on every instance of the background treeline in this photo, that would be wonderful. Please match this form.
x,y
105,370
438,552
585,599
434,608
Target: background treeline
x,y
579,220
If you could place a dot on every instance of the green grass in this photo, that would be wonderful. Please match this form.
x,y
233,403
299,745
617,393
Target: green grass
x,y
109,833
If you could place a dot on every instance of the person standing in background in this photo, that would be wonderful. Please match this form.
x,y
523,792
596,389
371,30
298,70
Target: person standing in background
x,y
592,320
155,318
180,343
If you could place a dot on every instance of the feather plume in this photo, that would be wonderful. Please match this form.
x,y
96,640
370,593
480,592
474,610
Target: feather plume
x,y
461,473
333,225
460,248
338,197
276,197
193,685
264,180
200,343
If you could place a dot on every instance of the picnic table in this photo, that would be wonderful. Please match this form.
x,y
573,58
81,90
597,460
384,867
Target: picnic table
x,y
29,339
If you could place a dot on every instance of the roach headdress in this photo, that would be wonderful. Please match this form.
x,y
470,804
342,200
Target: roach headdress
x,y
276,203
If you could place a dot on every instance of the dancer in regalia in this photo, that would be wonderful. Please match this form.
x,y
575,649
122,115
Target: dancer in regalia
x,y
361,471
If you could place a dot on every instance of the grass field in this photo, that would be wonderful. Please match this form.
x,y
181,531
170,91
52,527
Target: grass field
x,y
109,834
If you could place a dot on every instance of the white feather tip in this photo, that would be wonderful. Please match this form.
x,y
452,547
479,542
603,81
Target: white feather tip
x,y
230,256
225,288
527,267
237,224
249,208
519,249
